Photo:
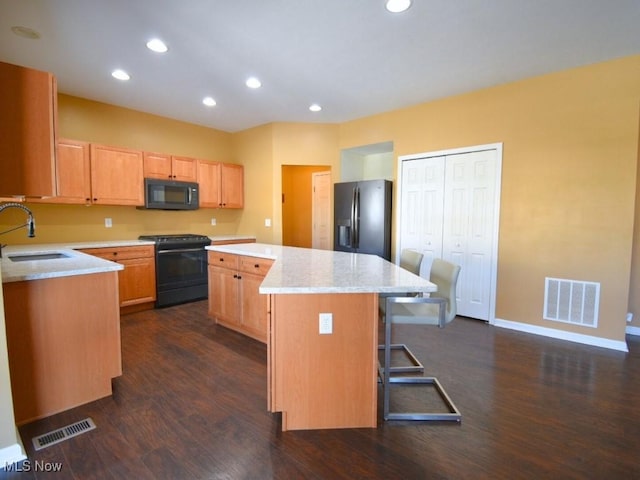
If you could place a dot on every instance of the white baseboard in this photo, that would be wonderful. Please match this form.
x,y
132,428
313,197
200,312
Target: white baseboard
x,y
562,335
11,454
631,330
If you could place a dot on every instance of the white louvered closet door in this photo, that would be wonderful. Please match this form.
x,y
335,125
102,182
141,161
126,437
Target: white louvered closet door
x,y
422,208
468,229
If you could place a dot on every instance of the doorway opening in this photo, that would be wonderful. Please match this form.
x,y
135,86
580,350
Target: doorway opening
x,y
303,212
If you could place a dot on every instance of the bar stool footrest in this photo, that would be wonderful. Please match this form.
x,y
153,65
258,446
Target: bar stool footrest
x,y
415,367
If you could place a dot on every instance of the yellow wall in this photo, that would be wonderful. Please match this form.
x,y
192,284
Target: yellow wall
x,y
634,290
254,149
570,154
300,144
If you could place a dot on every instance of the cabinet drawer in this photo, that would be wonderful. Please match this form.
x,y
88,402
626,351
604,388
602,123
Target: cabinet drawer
x,y
259,266
225,260
121,253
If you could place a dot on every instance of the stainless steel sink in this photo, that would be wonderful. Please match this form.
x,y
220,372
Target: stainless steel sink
x,y
38,256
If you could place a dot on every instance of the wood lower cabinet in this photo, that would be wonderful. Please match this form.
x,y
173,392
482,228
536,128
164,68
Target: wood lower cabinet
x,y
234,299
137,282
28,101
63,342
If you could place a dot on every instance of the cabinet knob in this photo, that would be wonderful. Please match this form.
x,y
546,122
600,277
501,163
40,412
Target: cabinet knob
x,y
221,259
257,265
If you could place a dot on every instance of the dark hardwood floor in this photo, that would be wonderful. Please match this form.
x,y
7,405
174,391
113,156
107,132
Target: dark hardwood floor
x,y
192,404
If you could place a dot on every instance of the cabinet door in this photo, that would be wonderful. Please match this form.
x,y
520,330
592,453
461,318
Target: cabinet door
x,y
137,282
116,176
209,182
223,295
254,307
232,186
73,177
184,169
156,165
27,123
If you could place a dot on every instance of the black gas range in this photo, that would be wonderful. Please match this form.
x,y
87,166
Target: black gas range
x,y
181,267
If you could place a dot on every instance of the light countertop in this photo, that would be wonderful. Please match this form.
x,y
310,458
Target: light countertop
x,y
305,270
75,263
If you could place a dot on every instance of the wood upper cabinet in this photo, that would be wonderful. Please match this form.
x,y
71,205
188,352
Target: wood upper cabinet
x,y
116,176
234,300
28,110
160,165
73,173
221,184
232,185
137,282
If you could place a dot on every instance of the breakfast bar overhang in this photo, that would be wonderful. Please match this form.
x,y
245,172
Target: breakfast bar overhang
x,y
329,379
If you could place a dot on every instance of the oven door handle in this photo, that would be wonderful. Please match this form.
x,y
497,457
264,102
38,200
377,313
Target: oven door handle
x,y
182,250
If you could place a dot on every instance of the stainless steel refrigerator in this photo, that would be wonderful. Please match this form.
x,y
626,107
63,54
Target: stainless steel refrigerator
x,y
362,217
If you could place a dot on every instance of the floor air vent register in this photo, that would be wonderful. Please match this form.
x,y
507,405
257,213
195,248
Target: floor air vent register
x,y
63,433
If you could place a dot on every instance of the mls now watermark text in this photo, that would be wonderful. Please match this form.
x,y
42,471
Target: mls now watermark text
x,y
35,466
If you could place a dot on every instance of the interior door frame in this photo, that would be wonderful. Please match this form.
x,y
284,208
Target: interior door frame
x,y
315,209
496,223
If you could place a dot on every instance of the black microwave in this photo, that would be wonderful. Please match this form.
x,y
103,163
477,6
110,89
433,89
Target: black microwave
x,y
170,195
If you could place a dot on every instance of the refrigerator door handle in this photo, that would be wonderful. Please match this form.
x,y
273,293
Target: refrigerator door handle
x,y
352,230
356,219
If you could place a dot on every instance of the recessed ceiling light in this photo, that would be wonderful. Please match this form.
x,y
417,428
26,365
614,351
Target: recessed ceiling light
x,y
209,101
120,74
253,82
315,107
157,45
26,32
398,6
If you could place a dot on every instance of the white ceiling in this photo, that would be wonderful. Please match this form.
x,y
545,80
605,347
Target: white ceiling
x,y
351,56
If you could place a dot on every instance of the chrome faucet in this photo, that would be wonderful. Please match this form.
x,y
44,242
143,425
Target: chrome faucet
x,y
31,224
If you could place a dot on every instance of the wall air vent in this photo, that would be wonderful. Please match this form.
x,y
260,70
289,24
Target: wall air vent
x,y
571,301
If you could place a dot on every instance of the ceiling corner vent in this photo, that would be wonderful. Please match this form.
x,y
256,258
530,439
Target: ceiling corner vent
x,y
571,301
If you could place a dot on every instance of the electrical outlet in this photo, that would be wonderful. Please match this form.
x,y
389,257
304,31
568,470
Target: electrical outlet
x,y
326,323
267,222
629,317
213,221
108,223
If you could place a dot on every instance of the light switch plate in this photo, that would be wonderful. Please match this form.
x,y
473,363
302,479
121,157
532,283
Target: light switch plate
x,y
326,323
267,222
213,221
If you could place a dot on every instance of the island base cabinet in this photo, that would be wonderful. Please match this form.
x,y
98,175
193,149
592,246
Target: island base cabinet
x,y
63,342
321,381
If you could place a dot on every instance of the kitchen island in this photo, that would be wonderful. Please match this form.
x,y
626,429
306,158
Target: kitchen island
x,y
322,343
63,328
